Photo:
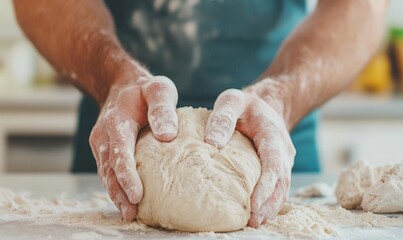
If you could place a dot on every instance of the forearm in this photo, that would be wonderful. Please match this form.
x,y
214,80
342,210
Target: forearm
x,y
79,40
322,56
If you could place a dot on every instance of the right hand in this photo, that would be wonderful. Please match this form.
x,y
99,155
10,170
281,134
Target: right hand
x,y
128,108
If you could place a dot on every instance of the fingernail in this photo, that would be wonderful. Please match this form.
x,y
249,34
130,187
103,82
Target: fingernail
x,y
167,131
216,138
254,220
129,212
134,196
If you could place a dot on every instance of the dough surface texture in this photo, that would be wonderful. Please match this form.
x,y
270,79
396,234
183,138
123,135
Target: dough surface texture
x,y
192,186
386,196
373,189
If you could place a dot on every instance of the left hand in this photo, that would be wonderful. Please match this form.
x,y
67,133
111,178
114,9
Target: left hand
x,y
260,122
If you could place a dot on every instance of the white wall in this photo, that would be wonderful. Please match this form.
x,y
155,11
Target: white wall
x,y
395,13
8,24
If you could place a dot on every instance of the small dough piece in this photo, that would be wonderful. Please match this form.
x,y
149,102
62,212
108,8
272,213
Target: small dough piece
x,y
374,189
354,181
192,186
386,196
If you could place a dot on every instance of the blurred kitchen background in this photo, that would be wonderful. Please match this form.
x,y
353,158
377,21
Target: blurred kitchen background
x,y
38,109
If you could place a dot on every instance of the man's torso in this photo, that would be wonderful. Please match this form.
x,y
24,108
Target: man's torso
x,y
205,47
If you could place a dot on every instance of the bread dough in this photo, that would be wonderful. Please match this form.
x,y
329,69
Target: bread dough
x,y
374,189
354,181
386,196
192,186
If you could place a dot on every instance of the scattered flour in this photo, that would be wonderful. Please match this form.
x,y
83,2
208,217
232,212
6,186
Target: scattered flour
x,y
99,217
319,189
86,236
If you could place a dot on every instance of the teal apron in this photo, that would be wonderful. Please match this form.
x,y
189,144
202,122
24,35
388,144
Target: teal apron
x,y
205,47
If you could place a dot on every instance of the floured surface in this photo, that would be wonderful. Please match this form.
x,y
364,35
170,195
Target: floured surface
x,y
95,217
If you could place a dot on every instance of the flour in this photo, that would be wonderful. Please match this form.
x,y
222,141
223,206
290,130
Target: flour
x,y
99,217
317,221
97,213
315,190
86,236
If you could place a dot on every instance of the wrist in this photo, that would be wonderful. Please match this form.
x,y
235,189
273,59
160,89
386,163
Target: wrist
x,y
277,94
116,70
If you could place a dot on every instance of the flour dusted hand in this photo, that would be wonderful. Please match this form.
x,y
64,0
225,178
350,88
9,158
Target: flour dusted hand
x,y
246,112
130,107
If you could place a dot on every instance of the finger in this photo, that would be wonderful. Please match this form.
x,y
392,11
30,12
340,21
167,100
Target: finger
x,y
263,189
102,163
99,143
269,141
121,157
119,197
161,96
270,207
269,153
222,120
276,155
275,161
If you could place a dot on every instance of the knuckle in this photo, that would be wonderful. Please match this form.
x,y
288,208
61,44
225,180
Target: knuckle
x,y
161,109
234,97
104,173
114,194
222,119
275,169
108,175
291,150
95,134
283,186
289,164
161,83
111,119
119,164
107,171
157,86
233,93
103,154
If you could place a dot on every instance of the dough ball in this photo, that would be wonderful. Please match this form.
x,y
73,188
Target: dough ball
x,y
192,186
386,196
373,189
354,181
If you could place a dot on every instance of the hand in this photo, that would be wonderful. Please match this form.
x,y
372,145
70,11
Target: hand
x,y
256,119
128,108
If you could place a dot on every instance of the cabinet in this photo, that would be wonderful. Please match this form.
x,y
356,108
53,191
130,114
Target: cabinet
x,y
36,128
361,128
